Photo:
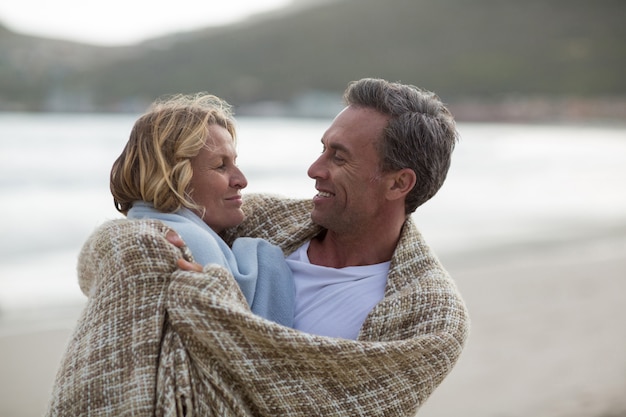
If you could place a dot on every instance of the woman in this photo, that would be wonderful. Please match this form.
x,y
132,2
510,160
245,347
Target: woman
x,y
126,356
179,167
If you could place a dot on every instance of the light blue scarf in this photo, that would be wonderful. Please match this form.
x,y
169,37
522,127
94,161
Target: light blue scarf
x,y
258,266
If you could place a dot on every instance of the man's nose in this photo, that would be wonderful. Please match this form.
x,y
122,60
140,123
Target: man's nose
x,y
317,168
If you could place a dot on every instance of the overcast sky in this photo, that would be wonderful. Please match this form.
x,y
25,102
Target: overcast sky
x,y
123,22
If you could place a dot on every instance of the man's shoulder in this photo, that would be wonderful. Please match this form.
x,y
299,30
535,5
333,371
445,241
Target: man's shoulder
x,y
411,238
413,259
268,201
274,209
285,222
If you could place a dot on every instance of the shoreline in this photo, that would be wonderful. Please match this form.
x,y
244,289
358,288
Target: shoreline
x,y
546,340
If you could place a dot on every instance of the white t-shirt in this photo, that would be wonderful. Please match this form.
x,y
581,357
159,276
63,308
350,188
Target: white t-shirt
x,y
334,301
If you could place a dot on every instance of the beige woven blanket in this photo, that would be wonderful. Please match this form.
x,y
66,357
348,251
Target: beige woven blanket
x,y
154,340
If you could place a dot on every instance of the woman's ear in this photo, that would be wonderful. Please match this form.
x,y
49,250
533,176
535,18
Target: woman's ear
x,y
402,182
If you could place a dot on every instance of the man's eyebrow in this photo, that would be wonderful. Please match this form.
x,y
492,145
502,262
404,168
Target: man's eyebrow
x,y
336,146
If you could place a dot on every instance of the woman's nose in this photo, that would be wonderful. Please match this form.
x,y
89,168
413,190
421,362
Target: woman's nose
x,y
239,180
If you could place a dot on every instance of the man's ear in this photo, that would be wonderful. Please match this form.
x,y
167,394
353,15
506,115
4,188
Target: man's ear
x,y
401,183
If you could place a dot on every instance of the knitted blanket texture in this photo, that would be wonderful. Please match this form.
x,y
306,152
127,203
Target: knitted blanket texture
x,y
155,340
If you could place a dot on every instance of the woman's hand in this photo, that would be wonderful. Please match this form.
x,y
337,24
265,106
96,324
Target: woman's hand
x,y
185,265
182,263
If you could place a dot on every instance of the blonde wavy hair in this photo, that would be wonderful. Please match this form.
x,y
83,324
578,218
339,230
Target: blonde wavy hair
x,y
155,165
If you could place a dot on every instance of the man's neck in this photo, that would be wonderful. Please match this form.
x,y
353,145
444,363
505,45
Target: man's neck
x,y
341,250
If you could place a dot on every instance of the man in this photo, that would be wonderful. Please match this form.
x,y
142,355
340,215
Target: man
x,y
378,321
367,182
384,155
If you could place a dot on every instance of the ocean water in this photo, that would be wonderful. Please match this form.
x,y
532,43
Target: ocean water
x,y
508,184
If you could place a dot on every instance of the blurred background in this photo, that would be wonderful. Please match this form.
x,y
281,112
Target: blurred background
x,y
531,222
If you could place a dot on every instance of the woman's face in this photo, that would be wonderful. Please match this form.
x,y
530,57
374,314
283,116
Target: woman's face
x,y
217,181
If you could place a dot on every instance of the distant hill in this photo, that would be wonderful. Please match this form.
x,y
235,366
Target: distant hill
x,y
486,51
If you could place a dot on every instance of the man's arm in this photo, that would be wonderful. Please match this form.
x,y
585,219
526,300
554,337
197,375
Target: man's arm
x,y
110,363
281,221
276,370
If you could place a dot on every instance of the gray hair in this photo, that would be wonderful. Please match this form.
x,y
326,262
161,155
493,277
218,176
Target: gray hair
x,y
421,133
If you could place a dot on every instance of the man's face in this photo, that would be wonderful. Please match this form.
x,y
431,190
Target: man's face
x,y
347,173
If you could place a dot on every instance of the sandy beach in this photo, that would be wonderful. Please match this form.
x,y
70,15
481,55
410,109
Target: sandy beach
x,y
548,336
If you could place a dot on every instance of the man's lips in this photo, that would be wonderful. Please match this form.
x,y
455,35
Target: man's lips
x,y
322,195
